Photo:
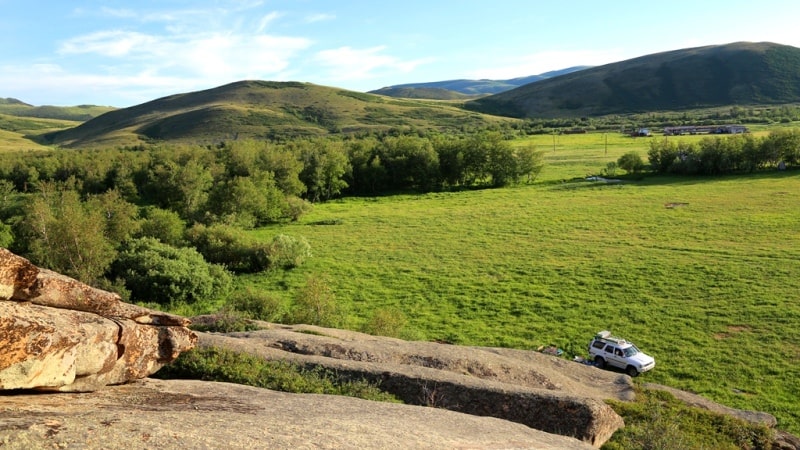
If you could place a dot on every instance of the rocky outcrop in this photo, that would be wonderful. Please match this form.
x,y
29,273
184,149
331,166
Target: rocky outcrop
x,y
59,334
540,391
187,414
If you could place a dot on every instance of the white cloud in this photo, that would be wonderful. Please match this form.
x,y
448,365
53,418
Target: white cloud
x,y
319,18
347,63
109,43
120,13
266,20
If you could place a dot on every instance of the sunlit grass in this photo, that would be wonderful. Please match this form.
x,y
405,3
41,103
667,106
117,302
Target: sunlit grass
x,y
708,286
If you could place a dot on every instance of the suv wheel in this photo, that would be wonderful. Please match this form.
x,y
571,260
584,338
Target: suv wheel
x,y
632,371
600,362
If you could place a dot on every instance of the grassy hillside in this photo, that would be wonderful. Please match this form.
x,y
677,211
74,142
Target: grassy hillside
x,y
80,113
431,93
735,74
710,287
20,132
263,109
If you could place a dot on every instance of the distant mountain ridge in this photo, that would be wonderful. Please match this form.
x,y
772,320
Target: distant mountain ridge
x,y
439,89
741,73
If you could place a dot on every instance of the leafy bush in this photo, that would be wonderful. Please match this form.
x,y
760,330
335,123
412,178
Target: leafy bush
x,y
257,305
657,420
215,364
162,224
315,304
631,162
386,322
287,252
154,271
226,320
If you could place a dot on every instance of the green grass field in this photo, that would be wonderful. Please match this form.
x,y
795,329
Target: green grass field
x,y
701,273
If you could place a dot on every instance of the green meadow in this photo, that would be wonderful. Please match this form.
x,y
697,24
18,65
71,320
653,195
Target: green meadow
x,y
701,273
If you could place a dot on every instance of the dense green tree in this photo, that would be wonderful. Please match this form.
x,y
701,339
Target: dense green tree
x,y
410,162
631,162
285,165
66,235
249,201
179,182
501,162
157,272
6,235
452,165
121,218
229,246
162,224
325,164
530,162
367,175
783,145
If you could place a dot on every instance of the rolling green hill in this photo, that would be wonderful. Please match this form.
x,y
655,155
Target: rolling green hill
x,y
261,110
80,113
741,73
431,93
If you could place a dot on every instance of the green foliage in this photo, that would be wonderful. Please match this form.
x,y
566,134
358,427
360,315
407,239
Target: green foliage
x,y
658,421
214,364
725,155
287,252
258,305
162,224
65,235
226,320
315,304
179,181
324,165
249,201
229,246
6,235
631,162
121,219
157,272
386,321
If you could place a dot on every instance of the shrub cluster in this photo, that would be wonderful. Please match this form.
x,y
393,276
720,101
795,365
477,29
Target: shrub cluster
x,y
214,364
717,155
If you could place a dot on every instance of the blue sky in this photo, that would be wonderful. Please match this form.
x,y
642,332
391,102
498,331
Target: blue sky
x,y
122,53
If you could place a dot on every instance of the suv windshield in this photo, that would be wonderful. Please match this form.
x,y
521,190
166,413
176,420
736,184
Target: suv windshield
x,y
632,350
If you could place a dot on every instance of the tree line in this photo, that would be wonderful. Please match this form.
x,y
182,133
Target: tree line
x,y
166,223
715,155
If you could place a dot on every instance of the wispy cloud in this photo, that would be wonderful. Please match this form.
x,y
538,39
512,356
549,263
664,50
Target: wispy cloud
x,y
319,18
109,43
347,63
266,20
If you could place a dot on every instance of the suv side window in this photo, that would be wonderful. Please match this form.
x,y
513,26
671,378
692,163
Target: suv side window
x,y
598,344
609,349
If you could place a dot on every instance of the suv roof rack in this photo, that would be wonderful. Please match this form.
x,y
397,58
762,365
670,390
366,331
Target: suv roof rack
x,y
605,335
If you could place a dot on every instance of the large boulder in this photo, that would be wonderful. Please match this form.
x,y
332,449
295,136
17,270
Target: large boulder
x,y
188,414
57,333
537,390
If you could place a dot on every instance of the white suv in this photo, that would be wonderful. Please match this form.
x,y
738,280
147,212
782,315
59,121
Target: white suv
x,y
606,349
